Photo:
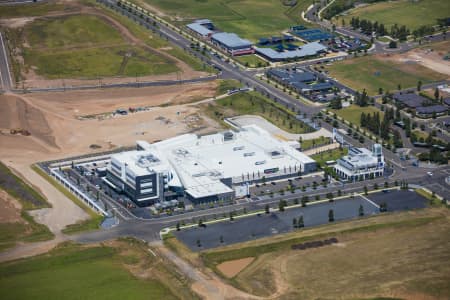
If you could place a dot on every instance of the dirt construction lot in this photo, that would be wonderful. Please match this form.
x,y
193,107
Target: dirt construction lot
x,y
56,132
429,56
233,267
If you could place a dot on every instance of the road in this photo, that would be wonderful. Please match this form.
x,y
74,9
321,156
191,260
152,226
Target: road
x,y
18,2
148,230
5,72
313,15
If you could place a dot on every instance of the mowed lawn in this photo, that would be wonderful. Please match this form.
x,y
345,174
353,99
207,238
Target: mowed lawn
x,y
353,113
73,272
374,72
251,61
250,19
412,14
334,154
252,103
83,46
396,256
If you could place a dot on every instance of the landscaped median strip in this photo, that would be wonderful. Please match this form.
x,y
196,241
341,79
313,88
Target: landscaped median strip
x,y
167,230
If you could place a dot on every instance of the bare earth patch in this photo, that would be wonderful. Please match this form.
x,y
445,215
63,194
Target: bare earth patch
x,y
16,22
232,267
56,132
9,209
429,56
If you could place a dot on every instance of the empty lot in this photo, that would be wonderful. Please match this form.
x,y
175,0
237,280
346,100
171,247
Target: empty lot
x,y
403,255
382,71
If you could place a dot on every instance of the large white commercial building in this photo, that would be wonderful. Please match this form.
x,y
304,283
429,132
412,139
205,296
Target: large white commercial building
x,y
205,168
361,163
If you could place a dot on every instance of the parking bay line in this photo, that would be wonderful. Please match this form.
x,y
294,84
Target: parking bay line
x,y
370,201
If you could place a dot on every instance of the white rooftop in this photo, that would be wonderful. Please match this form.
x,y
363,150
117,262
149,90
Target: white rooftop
x,y
360,157
200,162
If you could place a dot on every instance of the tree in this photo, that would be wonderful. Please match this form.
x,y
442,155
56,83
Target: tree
x,y
281,205
304,200
361,210
267,208
336,103
331,216
436,94
330,196
300,223
392,44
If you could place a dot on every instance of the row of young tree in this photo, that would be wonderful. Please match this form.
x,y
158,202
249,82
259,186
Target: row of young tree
x,y
340,6
368,27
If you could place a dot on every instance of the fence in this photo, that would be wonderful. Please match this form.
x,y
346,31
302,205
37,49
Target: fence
x,y
77,192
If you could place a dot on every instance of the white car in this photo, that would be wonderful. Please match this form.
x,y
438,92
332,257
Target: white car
x,y
429,173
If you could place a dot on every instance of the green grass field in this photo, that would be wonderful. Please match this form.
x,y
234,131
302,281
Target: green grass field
x,y
74,31
320,141
251,61
30,199
353,113
334,154
372,73
247,18
98,62
31,9
83,46
99,272
412,14
255,104
227,84
27,231
154,40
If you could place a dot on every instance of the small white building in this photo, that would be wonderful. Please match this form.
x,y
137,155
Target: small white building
x,y
361,163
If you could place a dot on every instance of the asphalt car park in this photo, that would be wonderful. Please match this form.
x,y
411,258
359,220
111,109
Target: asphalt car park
x,y
264,225
399,200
